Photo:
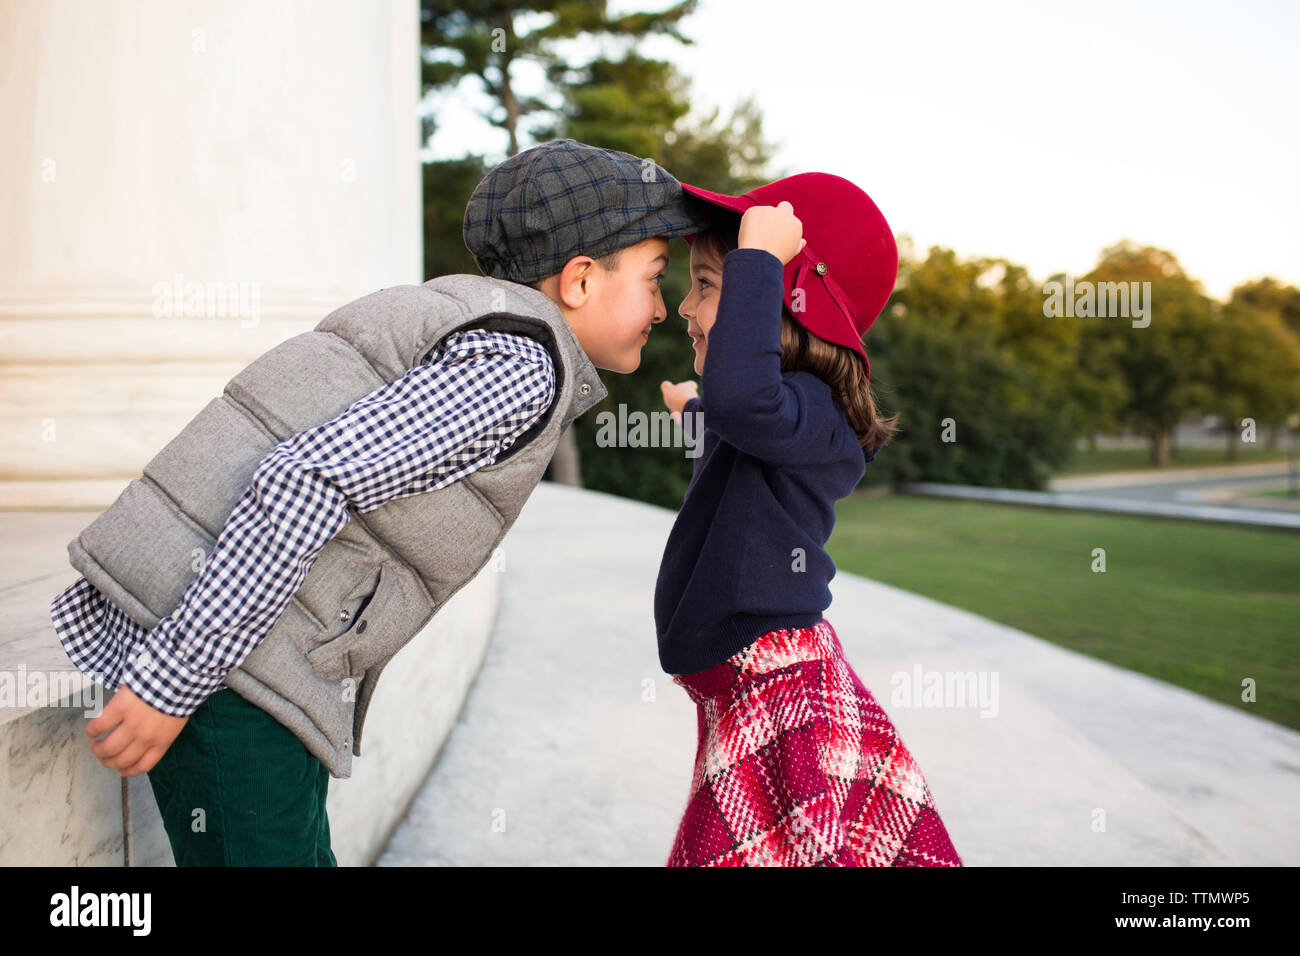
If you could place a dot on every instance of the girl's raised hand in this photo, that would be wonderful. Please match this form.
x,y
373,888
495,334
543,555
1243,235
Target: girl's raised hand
x,y
774,228
677,395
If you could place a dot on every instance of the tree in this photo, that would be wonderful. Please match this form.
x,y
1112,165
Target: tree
x,y
1270,295
448,184
483,39
968,413
1254,370
983,383
641,106
1283,303
1085,403
1164,366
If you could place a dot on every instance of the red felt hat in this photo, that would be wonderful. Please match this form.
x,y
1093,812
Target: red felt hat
x,y
845,274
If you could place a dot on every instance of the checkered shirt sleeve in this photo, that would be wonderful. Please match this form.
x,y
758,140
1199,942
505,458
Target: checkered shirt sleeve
x,y
444,419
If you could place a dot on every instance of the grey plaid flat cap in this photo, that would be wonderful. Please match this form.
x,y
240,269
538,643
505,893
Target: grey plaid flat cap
x,y
540,208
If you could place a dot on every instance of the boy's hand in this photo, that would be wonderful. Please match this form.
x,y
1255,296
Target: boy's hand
x,y
676,396
139,736
773,228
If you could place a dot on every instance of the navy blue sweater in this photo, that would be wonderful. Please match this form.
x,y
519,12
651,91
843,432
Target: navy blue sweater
x,y
746,554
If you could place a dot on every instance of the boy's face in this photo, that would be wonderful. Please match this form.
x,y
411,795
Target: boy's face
x,y
611,312
700,307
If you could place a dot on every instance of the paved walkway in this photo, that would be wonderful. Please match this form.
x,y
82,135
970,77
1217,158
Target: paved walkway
x,y
1257,516
1275,471
1229,485
575,749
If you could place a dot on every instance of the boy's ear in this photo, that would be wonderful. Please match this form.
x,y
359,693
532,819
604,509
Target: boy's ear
x,y
571,286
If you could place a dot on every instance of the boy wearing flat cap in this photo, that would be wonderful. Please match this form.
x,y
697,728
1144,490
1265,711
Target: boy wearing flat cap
x,y
244,594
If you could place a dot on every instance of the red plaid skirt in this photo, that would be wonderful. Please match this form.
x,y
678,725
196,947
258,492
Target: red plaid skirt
x,y
798,765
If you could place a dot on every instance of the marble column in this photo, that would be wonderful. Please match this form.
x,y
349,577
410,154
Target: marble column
x,y
183,185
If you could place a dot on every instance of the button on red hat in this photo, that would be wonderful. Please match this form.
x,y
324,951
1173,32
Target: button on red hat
x,y
838,284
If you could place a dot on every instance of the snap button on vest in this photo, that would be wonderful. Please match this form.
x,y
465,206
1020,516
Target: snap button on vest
x,y
584,388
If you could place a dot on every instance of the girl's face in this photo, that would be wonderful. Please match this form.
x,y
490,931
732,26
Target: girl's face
x,y
700,307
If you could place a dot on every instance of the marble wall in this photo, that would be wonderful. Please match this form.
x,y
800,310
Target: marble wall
x,y
60,807
186,184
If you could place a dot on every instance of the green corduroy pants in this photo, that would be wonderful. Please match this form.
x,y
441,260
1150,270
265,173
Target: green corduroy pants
x,y
237,788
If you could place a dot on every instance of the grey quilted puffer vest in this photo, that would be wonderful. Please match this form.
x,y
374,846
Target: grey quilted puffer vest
x,y
378,581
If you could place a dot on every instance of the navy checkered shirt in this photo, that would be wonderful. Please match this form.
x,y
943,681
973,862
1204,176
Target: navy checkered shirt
x,y
444,419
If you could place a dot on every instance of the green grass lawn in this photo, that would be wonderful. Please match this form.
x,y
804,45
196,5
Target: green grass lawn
x,y
1195,604
1139,459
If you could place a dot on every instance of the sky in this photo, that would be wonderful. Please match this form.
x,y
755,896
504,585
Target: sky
x,y
1038,132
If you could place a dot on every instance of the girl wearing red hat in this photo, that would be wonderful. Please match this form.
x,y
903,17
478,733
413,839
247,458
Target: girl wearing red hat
x,y
796,764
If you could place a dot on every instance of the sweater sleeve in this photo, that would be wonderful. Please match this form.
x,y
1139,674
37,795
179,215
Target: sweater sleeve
x,y
745,398
428,429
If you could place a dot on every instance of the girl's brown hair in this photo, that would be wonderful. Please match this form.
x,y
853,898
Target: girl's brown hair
x,y
839,367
